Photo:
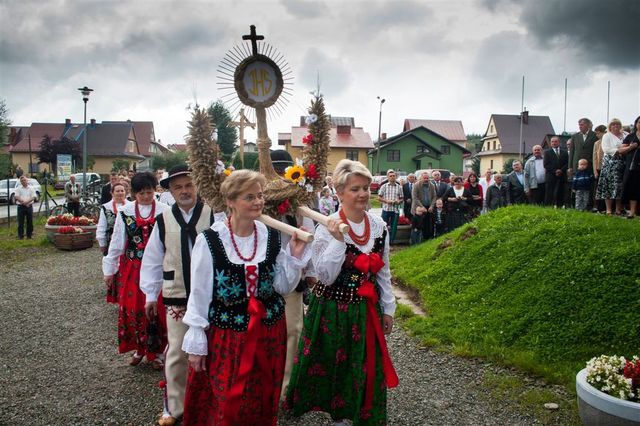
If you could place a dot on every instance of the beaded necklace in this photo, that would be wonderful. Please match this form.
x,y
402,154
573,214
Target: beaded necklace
x,y
235,246
358,239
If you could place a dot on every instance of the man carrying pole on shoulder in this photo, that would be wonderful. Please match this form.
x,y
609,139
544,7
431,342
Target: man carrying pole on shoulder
x,y
165,268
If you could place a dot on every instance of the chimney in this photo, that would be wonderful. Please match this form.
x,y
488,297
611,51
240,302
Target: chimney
x,y
93,121
12,136
525,117
383,136
67,122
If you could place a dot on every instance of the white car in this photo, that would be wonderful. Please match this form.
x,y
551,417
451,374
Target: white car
x,y
10,194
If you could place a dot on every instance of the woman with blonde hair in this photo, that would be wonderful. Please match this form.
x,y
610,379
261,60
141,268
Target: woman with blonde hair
x,y
343,366
237,336
610,182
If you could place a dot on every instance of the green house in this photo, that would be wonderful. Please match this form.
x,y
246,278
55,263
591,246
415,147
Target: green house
x,y
415,149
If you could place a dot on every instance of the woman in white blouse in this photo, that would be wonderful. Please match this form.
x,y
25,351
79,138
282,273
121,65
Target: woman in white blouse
x,y
610,182
237,333
121,268
343,366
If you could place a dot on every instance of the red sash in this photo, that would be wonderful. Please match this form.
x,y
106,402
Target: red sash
x,y
371,264
256,313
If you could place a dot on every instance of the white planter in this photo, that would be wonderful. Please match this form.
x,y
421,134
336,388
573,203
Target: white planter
x,y
598,408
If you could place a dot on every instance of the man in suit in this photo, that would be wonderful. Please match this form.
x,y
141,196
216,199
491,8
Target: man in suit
x,y
582,144
515,185
423,198
556,162
440,186
406,192
105,194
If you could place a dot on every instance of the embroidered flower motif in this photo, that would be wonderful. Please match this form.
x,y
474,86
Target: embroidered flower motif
x,y
355,333
306,350
239,319
224,317
316,370
324,328
342,307
341,355
337,402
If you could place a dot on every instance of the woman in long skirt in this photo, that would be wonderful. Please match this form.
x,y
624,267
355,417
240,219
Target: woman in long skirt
x,y
610,182
343,366
104,230
237,337
131,231
457,200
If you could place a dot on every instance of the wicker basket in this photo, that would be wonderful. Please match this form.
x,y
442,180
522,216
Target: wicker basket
x,y
78,241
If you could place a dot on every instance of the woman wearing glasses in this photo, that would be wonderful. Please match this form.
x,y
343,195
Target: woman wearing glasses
x,y
237,337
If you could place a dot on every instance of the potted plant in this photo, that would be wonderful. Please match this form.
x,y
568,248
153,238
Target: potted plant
x,y
72,238
609,391
55,222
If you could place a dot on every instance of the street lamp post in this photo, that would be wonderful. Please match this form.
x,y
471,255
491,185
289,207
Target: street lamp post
x,y
379,135
85,97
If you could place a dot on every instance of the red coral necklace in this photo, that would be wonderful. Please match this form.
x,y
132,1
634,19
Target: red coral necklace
x,y
235,246
152,214
358,239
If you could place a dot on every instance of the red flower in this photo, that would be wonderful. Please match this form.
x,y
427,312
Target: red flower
x,y
308,139
162,384
312,173
284,207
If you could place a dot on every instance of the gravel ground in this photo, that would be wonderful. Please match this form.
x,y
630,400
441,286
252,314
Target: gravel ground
x,y
59,363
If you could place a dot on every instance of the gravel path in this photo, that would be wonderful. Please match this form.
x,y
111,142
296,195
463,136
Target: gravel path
x,y
59,364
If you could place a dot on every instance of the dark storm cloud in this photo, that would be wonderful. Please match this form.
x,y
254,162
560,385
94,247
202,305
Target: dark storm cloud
x,y
379,16
305,9
599,32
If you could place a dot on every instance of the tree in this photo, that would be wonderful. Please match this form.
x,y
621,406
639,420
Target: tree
x,y
508,166
49,150
475,165
7,168
4,123
250,161
168,160
227,136
119,164
474,142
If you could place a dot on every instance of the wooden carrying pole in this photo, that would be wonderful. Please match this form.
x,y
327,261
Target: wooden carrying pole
x,y
287,229
320,218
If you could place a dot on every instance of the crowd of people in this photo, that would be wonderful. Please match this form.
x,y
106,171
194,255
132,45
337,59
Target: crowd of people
x,y
598,171
207,298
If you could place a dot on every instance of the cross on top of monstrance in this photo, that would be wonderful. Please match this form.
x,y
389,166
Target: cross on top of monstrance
x,y
254,39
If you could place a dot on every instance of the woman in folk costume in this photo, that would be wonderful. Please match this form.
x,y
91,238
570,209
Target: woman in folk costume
x,y
131,232
237,331
104,230
343,366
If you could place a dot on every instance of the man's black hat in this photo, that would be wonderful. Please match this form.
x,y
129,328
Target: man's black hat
x,y
175,171
280,159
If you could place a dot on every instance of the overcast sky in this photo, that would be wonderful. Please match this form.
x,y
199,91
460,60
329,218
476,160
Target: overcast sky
x,y
456,59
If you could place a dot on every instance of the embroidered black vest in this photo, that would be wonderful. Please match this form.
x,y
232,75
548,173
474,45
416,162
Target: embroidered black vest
x,y
111,221
134,237
229,302
349,276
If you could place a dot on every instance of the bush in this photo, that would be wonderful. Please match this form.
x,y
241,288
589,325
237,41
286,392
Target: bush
x,y
542,289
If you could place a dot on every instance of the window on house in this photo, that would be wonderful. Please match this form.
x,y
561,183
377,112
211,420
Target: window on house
x,y
421,149
429,165
393,155
446,149
491,165
491,129
494,144
352,154
131,146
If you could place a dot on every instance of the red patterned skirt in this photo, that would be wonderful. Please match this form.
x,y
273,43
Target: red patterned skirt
x,y
113,289
207,399
132,321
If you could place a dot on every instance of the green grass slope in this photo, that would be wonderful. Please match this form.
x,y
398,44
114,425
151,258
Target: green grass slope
x,y
541,289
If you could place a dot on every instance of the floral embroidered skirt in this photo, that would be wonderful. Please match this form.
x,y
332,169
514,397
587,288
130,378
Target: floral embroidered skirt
x,y
132,321
207,399
329,371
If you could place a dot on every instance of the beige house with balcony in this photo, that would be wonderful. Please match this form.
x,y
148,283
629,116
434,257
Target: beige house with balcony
x,y
347,141
501,140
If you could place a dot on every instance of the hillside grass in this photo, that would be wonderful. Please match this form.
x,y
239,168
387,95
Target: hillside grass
x,y
540,289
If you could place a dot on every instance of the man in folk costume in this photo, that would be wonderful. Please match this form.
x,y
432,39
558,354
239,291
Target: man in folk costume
x,y
166,267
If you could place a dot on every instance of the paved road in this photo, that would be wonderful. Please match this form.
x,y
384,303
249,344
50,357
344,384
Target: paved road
x,y
13,210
